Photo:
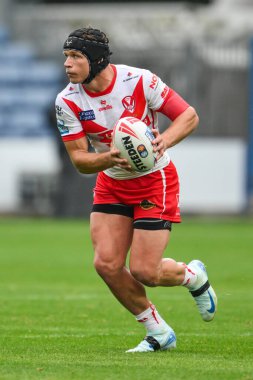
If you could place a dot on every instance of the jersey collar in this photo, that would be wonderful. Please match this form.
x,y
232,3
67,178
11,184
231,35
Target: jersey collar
x,y
107,90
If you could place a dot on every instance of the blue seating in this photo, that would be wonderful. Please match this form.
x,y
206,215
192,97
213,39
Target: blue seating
x,y
35,98
17,51
28,89
4,35
42,73
10,75
24,123
2,124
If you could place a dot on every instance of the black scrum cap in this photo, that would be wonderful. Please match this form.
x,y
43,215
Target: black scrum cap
x,y
94,45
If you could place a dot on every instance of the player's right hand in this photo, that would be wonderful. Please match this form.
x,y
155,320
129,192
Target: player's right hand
x,y
119,161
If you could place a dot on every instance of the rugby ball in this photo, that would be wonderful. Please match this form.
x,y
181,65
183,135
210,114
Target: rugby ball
x,y
132,137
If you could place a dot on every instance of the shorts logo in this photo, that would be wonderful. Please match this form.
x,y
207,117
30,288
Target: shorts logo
x,y
167,225
129,103
87,115
147,205
141,149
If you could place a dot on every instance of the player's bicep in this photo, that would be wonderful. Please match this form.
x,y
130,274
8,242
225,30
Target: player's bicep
x,y
173,105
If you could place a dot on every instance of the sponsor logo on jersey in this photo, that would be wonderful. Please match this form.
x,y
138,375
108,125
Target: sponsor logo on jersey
x,y
154,82
105,106
130,76
72,91
165,92
147,205
129,103
58,110
149,135
87,115
141,149
62,127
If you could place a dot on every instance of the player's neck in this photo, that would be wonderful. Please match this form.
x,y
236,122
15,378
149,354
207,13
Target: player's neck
x,y
102,81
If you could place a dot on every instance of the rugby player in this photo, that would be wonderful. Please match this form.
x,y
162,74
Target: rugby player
x,y
132,211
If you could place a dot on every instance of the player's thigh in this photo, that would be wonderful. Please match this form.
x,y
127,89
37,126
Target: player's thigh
x,y
148,247
111,235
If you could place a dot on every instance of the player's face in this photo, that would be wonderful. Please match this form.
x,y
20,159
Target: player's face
x,y
76,65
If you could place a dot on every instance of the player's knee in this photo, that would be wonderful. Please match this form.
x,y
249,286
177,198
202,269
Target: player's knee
x,y
106,267
147,276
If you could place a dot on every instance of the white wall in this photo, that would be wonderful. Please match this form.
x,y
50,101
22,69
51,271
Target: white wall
x,y
212,171
19,156
212,174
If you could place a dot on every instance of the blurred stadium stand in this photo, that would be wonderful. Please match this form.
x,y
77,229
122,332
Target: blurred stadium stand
x,y
201,51
28,88
4,35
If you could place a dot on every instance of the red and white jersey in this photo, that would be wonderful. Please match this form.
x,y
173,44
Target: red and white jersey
x,y
132,92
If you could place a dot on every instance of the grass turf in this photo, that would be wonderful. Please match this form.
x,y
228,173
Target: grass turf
x,y
58,321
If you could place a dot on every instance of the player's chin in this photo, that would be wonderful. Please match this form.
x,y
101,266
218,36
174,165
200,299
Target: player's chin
x,y
74,79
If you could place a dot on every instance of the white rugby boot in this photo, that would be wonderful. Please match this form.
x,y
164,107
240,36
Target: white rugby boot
x,y
203,292
157,342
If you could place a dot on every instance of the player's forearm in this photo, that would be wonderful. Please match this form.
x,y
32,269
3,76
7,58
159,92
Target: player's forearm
x,y
181,127
89,163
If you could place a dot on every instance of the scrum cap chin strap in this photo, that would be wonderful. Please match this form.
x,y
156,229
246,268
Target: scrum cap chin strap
x,y
94,48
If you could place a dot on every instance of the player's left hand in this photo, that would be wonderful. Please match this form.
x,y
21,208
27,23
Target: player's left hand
x,y
158,144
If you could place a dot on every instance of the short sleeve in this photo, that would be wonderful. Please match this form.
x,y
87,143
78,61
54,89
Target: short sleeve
x,y
69,126
155,90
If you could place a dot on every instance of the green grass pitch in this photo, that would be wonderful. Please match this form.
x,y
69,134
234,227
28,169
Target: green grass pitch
x,y
58,321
